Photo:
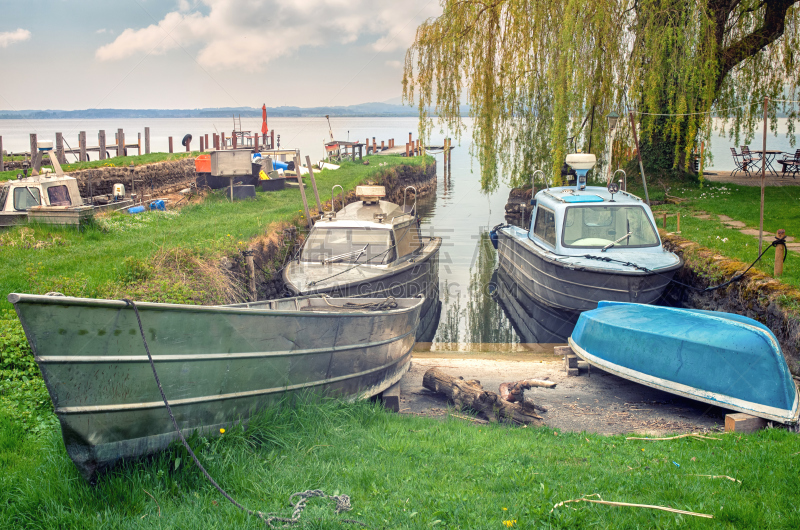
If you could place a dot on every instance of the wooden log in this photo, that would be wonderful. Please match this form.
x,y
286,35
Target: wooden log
x,y
313,183
470,395
121,143
62,159
514,392
147,140
101,142
741,422
170,144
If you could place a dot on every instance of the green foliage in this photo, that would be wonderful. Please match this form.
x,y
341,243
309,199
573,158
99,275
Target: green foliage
x,y
538,72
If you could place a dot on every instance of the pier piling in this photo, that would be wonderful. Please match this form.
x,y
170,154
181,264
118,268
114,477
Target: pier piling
x,y
82,145
146,140
202,145
170,144
121,143
101,142
60,148
35,161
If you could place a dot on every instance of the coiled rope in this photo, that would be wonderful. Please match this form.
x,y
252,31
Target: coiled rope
x,y
342,501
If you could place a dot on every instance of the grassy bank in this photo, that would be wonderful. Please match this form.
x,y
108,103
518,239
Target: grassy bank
x,y
741,203
408,472
117,161
118,249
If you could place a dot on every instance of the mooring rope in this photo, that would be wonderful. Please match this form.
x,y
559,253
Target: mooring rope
x,y
388,303
342,501
779,241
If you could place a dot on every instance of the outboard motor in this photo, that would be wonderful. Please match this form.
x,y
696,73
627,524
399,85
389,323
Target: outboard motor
x,y
581,163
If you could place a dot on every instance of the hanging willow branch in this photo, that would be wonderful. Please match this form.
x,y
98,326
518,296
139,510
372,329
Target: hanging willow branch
x,y
532,70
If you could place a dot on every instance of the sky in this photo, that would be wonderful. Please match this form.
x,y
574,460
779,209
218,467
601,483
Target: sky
x,y
181,54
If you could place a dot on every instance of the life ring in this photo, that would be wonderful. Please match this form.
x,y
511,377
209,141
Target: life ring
x,y
186,140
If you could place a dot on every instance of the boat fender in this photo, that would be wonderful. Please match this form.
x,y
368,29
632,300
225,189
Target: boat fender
x,y
493,238
186,140
136,209
533,204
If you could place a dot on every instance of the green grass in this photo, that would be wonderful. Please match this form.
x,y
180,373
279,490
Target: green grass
x,y
67,259
408,472
110,162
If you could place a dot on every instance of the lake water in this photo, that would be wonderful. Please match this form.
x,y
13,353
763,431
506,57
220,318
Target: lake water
x,y
460,212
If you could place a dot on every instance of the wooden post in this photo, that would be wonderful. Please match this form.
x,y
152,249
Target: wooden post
x,y
222,140
202,145
763,180
101,142
36,162
188,145
302,191
374,146
147,140
406,149
779,253
233,141
60,148
139,143
313,183
665,220
678,231
272,139
639,154
82,145
2,163
208,145
410,140
741,422
120,143
381,145
170,144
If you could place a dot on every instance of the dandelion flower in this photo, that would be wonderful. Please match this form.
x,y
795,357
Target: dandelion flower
x,y
222,431
505,509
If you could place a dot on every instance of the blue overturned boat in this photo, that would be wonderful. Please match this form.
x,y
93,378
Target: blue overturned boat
x,y
724,359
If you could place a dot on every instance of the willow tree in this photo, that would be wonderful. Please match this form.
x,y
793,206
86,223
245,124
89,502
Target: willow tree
x,y
536,73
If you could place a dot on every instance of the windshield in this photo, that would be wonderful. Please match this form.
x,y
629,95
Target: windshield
x,y
346,244
598,226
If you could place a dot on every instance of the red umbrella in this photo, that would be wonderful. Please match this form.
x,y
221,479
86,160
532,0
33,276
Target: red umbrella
x,y
264,127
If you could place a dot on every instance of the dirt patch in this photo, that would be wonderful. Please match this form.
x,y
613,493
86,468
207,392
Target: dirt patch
x,y
598,402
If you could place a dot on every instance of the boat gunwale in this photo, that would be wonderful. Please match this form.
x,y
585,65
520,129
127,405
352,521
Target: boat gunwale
x,y
16,298
589,268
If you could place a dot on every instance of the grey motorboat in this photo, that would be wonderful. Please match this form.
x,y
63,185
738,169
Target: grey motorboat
x,y
586,244
217,365
374,248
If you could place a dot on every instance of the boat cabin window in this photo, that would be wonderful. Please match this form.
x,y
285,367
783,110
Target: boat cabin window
x,y
598,226
407,239
544,227
25,198
58,196
347,245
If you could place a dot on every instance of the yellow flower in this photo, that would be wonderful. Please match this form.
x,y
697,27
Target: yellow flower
x,y
509,524
505,509
222,431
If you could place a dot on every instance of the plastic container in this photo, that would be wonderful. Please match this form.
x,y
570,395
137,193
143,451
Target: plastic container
x,y
158,205
273,184
136,209
280,165
202,164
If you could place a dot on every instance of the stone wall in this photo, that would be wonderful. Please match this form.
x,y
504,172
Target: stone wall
x,y
757,295
149,178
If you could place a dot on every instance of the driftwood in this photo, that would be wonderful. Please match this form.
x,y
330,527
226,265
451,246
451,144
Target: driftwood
x,y
471,395
515,392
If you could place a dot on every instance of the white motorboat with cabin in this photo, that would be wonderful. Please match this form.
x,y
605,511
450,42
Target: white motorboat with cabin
x,y
586,244
372,248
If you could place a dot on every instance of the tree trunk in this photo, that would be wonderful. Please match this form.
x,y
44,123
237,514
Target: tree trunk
x,y
471,395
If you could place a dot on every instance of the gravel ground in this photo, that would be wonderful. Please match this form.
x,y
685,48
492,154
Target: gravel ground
x,y
596,402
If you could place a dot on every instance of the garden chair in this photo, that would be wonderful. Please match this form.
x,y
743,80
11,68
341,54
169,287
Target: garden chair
x,y
790,165
749,158
737,159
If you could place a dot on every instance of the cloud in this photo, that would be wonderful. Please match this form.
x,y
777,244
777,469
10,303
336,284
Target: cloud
x,y
248,34
394,64
104,30
10,37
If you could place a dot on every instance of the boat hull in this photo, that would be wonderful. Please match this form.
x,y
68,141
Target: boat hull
x,y
722,359
569,288
419,278
217,365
